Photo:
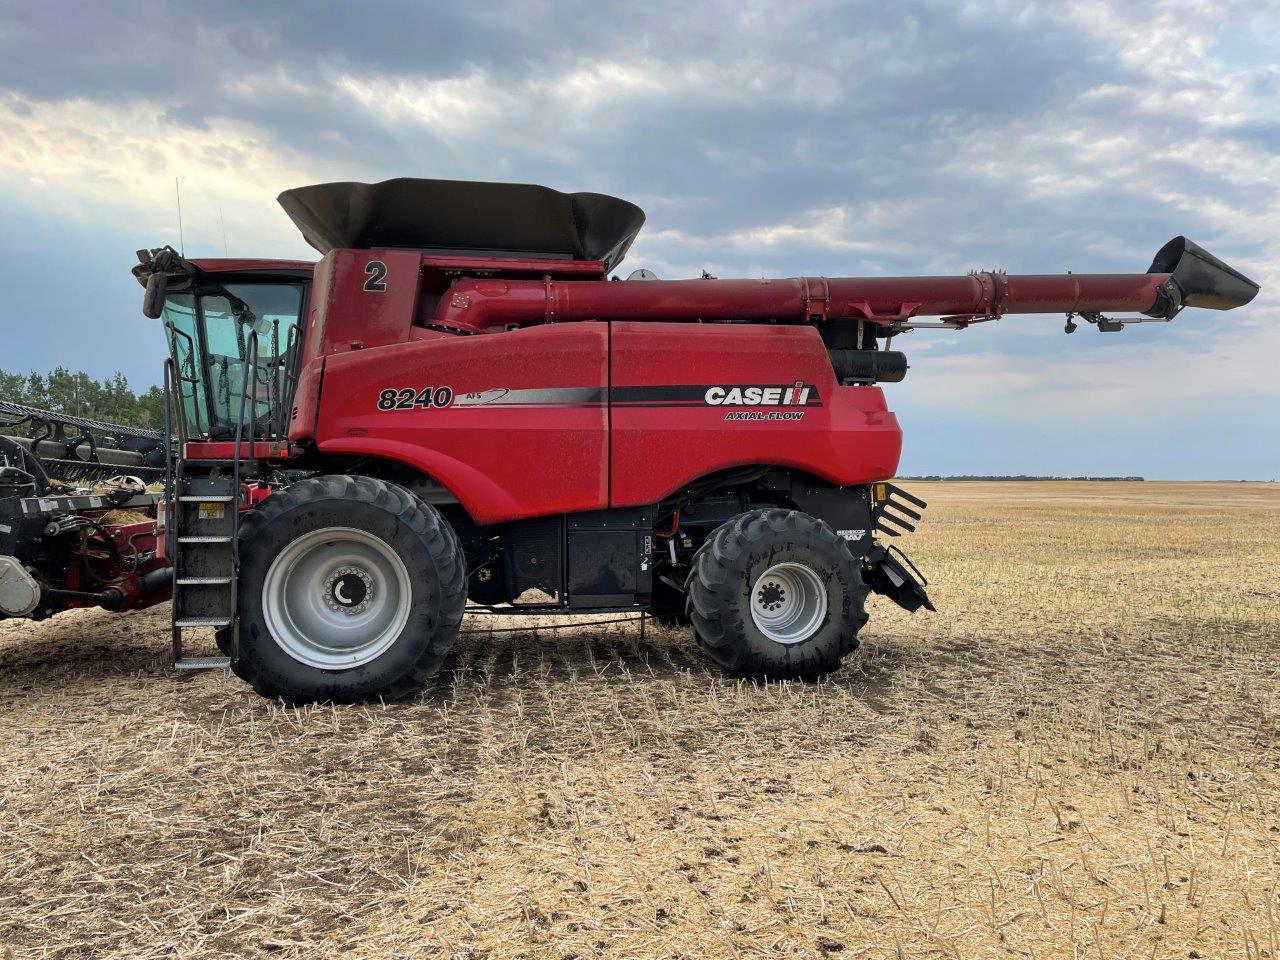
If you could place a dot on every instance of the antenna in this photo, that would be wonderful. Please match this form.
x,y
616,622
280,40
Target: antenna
x,y
182,245
224,231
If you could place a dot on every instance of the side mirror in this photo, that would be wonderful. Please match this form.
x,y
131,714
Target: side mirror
x,y
153,298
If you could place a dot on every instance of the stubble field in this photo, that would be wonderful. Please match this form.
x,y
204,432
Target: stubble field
x,y
1078,756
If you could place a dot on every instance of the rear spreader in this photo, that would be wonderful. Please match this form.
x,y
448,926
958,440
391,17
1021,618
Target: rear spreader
x,y
460,406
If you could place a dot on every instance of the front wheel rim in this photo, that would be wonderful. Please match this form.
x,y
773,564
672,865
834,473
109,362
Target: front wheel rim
x,y
337,598
788,602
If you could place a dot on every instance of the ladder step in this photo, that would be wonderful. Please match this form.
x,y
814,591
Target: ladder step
x,y
197,498
202,581
203,622
202,663
204,539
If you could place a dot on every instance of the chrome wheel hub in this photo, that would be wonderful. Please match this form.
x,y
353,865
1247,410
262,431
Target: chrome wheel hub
x,y
788,602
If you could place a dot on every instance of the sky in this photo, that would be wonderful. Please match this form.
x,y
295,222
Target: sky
x,y
783,139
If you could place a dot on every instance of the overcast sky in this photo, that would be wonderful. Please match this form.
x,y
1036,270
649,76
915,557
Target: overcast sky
x,y
760,138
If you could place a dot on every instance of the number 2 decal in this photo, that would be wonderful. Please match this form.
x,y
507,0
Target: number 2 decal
x,y
377,271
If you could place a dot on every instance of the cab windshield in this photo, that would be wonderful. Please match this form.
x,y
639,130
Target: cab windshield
x,y
210,337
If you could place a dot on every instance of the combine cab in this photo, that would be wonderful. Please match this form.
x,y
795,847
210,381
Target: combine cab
x,y
459,404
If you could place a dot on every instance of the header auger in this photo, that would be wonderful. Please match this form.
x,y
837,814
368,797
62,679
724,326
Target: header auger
x,y
459,405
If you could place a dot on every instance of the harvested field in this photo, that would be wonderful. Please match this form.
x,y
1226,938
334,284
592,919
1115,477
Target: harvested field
x,y
1078,757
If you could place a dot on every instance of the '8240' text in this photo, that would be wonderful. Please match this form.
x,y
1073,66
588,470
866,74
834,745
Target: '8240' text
x,y
415,398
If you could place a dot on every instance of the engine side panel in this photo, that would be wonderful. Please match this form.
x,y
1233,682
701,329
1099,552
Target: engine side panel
x,y
692,399
535,422
514,424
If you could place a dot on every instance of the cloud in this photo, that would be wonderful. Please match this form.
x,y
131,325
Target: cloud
x,y
87,160
832,138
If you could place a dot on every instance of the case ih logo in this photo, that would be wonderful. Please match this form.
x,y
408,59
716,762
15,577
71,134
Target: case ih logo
x,y
798,394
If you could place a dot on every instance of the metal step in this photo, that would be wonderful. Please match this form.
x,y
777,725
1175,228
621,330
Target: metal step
x,y
204,588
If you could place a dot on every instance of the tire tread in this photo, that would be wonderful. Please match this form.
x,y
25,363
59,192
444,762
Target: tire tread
x,y
719,618
430,528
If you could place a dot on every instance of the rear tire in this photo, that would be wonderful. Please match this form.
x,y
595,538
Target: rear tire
x,y
775,594
351,589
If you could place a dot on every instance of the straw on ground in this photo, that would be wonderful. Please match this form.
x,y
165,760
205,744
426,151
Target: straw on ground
x,y
1077,757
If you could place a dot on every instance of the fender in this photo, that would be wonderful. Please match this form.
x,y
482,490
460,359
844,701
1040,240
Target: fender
x,y
485,501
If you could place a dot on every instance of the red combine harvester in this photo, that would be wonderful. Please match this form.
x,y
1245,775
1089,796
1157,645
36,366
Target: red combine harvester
x,y
459,403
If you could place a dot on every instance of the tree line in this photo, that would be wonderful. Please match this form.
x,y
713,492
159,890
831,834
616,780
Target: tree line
x,y
78,394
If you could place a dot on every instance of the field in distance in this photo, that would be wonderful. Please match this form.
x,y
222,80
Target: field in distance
x,y
1079,755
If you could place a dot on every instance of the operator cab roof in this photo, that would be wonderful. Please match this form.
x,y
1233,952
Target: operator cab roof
x,y
465,217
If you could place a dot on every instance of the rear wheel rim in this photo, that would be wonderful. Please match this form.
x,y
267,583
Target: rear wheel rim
x,y
337,598
788,602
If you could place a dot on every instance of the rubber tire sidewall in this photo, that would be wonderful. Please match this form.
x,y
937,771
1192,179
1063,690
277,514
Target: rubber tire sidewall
x,y
415,531
724,573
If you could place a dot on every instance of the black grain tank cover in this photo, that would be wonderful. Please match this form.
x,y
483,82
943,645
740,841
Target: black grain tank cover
x,y
463,216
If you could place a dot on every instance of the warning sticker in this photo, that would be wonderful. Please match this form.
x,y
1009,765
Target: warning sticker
x,y
212,511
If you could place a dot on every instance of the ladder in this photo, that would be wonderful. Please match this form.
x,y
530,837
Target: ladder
x,y
203,515
203,520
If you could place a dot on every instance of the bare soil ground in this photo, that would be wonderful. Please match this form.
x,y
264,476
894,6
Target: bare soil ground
x,y
1077,757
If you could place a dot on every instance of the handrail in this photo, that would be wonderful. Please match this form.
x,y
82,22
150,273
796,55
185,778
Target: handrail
x,y
168,444
289,364
247,383
171,497
181,378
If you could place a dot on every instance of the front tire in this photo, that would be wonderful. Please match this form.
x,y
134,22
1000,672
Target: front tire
x,y
351,589
775,594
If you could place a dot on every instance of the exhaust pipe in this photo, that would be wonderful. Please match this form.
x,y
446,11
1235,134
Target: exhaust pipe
x,y
1197,279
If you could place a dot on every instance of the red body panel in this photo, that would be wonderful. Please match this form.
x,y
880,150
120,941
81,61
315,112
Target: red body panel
x,y
272,450
355,307
526,431
306,402
131,540
851,438
251,266
503,453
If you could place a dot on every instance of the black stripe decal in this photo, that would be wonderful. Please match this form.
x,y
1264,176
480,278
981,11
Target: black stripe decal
x,y
668,395
695,395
